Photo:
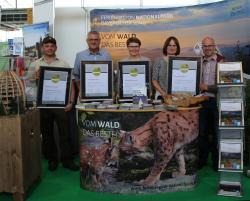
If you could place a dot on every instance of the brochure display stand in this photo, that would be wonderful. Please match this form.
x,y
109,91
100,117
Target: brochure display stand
x,y
231,128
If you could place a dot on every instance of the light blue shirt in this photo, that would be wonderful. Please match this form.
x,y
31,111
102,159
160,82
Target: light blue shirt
x,y
86,55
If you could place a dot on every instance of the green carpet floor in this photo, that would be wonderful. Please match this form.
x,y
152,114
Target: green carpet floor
x,y
64,185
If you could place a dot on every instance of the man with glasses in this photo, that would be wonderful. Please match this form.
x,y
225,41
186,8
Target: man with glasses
x,y
209,111
93,53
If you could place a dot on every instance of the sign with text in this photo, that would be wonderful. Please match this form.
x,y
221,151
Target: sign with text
x,y
121,152
226,21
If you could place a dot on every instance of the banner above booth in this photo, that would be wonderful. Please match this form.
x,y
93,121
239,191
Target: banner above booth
x,y
227,22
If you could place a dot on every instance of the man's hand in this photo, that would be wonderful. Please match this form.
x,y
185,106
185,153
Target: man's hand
x,y
203,87
164,94
37,74
68,107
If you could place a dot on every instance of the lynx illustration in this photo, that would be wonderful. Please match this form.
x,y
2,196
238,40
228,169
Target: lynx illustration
x,y
95,159
168,131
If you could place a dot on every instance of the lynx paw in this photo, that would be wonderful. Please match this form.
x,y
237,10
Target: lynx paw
x,y
178,174
146,182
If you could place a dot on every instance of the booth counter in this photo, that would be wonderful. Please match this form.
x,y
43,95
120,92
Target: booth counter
x,y
138,151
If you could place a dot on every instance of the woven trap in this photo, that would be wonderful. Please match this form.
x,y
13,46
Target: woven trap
x,y
12,94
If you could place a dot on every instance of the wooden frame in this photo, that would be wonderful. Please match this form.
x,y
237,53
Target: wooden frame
x,y
96,80
126,68
181,66
54,87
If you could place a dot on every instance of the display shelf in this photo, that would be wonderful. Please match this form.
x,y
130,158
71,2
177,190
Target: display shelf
x,y
231,137
231,155
231,92
231,113
231,133
230,184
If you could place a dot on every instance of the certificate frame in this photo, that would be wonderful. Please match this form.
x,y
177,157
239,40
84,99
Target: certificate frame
x,y
184,61
51,71
92,65
122,73
229,73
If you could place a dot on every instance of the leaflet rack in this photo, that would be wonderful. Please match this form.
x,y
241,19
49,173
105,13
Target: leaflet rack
x,y
231,128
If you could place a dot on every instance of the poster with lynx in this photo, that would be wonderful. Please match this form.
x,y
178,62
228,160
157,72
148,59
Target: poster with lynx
x,y
138,152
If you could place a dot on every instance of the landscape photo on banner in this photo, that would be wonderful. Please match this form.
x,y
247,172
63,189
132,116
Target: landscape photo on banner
x,y
33,35
227,22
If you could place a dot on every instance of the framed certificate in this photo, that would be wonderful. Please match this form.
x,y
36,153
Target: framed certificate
x,y
229,73
134,79
54,87
96,80
184,75
231,113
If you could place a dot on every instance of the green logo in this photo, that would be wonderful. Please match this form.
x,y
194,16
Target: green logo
x,y
184,68
55,78
133,72
96,71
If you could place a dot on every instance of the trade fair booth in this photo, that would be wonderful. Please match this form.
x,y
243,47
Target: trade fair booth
x,y
130,143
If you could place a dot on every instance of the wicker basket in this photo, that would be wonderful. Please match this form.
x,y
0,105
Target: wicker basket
x,y
12,93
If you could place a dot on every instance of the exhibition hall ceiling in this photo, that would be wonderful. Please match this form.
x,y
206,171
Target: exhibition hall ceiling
x,y
16,3
107,3
14,13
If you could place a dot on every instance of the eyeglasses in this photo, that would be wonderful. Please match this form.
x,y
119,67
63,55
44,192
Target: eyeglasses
x,y
93,39
208,46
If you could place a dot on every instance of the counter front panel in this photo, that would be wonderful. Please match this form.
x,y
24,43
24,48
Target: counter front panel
x,y
138,151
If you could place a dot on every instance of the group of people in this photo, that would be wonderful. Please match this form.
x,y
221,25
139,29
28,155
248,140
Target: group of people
x,y
171,47
208,118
